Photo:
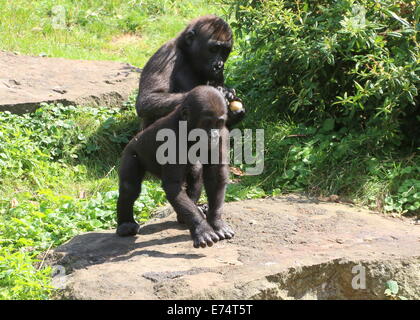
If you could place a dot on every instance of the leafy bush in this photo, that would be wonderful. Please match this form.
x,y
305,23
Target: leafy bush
x,y
37,147
343,63
19,279
335,86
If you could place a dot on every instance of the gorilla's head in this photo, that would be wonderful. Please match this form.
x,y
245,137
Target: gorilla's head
x,y
205,108
207,42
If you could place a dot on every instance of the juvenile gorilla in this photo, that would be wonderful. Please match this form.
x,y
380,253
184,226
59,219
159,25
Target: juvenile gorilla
x,y
203,108
196,57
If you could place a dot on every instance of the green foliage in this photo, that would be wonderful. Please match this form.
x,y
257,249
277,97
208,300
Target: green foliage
x,y
335,86
392,290
35,223
19,279
37,147
406,197
352,63
48,218
236,192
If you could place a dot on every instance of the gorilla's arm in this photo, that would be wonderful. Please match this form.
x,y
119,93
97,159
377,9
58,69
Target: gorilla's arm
x,y
154,105
158,94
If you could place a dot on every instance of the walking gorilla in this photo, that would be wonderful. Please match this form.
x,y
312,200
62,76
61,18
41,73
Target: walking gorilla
x,y
204,108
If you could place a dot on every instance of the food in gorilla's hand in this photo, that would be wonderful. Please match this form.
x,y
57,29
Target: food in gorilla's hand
x,y
235,106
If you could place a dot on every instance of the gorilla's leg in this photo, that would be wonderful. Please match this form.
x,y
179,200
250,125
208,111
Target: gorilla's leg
x,y
215,180
194,182
173,177
131,176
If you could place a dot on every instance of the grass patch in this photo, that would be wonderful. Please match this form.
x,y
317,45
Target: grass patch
x,y
128,31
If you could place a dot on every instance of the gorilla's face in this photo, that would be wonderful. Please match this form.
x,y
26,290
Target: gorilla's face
x,y
209,56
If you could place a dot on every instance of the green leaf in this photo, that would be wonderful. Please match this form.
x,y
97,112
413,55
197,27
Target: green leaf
x,y
328,125
398,18
393,286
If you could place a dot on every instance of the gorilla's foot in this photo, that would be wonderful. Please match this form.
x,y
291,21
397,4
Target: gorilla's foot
x,y
203,235
128,229
222,229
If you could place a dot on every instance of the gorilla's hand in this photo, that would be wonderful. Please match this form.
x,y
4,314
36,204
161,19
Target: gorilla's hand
x,y
229,94
233,116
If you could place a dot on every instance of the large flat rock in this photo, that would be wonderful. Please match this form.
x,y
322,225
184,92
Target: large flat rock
x,y
27,81
284,248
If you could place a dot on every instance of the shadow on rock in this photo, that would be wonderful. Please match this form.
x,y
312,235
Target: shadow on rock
x,y
157,227
159,254
100,247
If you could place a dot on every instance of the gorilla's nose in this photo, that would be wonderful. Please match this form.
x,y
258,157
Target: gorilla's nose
x,y
218,66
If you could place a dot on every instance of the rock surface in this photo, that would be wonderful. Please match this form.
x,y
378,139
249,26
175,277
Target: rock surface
x,y
27,81
284,248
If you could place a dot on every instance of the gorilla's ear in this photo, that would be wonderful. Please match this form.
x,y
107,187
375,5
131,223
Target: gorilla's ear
x,y
189,37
